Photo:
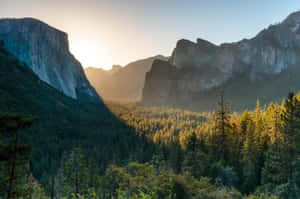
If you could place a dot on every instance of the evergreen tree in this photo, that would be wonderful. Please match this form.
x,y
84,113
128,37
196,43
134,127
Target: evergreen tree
x,y
195,160
92,172
176,156
273,122
245,122
260,133
261,139
15,155
250,160
54,165
290,131
279,165
222,124
75,173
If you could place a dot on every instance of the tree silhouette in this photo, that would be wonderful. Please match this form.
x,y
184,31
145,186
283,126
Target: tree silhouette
x,y
14,153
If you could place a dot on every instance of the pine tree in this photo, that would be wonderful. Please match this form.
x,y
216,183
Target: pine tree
x,y
222,124
245,121
273,172
273,121
176,156
279,166
54,165
261,139
260,134
92,172
75,173
289,132
195,160
250,157
17,155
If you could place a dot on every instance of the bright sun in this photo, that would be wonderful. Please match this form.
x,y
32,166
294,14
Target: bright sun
x,y
91,52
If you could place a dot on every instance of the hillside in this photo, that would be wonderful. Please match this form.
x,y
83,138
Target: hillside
x,y
62,122
121,83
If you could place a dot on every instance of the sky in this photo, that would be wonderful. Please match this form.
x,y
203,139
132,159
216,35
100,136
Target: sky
x,y
106,32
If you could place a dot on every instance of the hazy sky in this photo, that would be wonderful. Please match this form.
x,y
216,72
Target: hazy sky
x,y
106,32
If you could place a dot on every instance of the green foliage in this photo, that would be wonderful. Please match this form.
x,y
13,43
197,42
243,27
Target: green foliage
x,y
74,176
14,162
38,193
185,163
262,196
249,142
142,181
222,126
195,161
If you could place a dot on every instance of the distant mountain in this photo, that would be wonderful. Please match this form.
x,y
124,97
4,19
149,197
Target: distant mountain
x,y
264,67
121,83
46,51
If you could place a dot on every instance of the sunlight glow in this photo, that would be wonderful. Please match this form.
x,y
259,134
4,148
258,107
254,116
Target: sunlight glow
x,y
90,51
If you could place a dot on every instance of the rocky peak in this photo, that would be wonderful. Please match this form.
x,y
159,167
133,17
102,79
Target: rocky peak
x,y
203,66
293,18
162,67
46,51
205,44
293,24
190,54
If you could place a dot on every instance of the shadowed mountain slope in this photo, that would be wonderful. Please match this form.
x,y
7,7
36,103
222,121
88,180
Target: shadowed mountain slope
x,y
121,83
62,122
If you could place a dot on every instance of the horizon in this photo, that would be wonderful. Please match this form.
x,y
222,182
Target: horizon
x,y
116,33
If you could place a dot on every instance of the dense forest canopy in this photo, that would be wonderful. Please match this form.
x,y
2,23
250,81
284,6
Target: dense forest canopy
x,y
253,154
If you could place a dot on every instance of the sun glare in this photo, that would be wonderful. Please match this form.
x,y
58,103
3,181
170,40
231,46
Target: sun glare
x,y
91,51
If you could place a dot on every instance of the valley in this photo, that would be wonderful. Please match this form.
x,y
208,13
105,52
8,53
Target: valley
x,y
122,84
207,122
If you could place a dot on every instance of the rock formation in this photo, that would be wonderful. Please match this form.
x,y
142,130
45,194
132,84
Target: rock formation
x,y
203,67
46,51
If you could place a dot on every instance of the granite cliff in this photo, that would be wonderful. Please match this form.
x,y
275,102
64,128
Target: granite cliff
x,y
202,67
46,51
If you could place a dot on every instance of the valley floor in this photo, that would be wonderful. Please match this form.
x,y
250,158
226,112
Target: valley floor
x,y
181,154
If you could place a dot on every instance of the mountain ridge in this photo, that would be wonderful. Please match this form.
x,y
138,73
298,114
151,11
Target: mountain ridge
x,y
202,67
46,51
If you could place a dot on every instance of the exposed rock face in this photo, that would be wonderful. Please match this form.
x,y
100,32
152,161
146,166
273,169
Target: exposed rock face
x,y
46,51
189,54
121,83
163,76
202,66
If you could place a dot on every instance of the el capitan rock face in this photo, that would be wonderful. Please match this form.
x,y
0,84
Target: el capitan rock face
x,y
46,51
203,67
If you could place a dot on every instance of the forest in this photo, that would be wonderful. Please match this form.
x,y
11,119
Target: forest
x,y
252,154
